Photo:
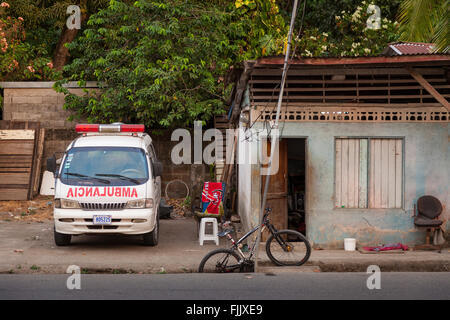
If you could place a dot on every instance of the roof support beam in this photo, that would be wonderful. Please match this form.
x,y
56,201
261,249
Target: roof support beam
x,y
427,86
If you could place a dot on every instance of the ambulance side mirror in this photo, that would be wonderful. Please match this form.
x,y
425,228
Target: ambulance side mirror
x,y
51,164
158,167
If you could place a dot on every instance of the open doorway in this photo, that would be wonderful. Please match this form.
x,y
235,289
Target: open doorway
x,y
296,155
287,188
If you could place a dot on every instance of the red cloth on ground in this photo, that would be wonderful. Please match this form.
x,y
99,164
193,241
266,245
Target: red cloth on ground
x,y
396,246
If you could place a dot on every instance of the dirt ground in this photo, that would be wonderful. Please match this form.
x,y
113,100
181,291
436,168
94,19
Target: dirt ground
x,y
37,210
41,208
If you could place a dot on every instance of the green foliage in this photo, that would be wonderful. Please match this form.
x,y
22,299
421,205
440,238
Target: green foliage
x,y
266,28
426,21
352,37
32,32
20,60
164,63
320,13
50,13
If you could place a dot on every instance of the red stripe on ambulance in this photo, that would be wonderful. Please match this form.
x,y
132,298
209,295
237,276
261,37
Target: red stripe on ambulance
x,y
97,192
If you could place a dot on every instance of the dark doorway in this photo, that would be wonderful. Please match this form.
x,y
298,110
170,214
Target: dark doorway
x,y
296,154
287,188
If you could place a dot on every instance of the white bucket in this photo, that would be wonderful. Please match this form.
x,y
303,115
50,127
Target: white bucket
x,y
350,244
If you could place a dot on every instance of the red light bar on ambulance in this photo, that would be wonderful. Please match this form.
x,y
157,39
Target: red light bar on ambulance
x,y
81,128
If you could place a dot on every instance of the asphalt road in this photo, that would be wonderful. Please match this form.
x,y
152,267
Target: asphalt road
x,y
283,286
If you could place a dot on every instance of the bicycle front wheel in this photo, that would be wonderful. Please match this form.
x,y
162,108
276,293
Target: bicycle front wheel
x,y
288,248
220,261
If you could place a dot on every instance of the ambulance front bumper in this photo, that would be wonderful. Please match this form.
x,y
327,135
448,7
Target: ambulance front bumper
x,y
126,221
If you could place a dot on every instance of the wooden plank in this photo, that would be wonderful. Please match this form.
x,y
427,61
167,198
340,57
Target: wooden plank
x,y
21,149
367,106
346,97
338,174
398,173
15,178
356,174
8,124
277,191
377,172
340,70
16,147
36,174
344,170
371,181
19,161
352,81
349,89
384,172
351,174
13,194
362,173
17,134
391,173
427,86
15,169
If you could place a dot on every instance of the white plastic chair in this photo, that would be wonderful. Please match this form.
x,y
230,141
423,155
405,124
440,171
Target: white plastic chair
x,y
202,232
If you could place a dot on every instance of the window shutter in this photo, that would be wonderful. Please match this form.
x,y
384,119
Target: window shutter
x,y
386,167
351,173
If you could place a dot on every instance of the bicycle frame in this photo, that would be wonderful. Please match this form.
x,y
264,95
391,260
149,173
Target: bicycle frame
x,y
246,263
266,223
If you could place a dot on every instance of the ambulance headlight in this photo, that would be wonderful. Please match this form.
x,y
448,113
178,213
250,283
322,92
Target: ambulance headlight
x,y
67,204
139,204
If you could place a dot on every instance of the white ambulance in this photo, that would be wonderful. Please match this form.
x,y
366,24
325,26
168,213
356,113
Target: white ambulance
x,y
108,181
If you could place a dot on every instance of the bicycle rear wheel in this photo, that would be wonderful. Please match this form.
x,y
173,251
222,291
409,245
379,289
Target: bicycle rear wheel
x,y
220,261
288,248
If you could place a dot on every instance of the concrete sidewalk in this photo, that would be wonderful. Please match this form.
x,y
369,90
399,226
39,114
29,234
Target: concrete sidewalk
x,y
29,248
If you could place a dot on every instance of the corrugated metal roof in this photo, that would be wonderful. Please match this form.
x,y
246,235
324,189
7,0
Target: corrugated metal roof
x,y
408,48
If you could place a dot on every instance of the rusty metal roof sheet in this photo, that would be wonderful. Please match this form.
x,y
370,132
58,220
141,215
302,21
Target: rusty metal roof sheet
x,y
411,48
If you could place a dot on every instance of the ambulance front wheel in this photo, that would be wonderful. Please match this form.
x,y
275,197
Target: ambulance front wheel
x,y
151,238
61,239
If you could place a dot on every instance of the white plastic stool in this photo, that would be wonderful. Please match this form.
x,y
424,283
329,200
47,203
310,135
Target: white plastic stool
x,y
202,233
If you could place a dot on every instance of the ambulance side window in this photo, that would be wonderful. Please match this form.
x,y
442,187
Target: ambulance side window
x,y
152,156
152,152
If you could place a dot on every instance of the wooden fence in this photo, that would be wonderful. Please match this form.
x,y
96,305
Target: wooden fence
x,y
21,149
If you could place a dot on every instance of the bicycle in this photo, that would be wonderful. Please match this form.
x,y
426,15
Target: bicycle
x,y
287,242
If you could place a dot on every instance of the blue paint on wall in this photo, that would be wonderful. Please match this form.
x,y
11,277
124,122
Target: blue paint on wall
x,y
426,171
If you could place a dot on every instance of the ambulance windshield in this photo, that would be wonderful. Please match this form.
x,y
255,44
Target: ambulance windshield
x,y
105,166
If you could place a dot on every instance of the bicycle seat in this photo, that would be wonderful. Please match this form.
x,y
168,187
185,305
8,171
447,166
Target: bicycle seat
x,y
225,232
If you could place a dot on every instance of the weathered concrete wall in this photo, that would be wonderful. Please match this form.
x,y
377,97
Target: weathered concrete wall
x,y
193,175
37,104
426,171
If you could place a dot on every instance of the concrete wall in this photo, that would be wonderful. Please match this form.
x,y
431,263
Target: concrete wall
x,y
426,171
37,101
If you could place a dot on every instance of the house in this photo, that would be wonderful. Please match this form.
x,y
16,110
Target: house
x,y
361,140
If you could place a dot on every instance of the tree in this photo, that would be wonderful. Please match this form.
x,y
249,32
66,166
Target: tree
x,y
320,14
352,35
19,60
43,17
166,63
426,21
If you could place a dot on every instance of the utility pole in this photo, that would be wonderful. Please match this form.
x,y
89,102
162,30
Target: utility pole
x,y
275,126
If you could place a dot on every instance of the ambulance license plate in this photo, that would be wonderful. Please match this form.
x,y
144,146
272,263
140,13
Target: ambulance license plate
x,y
102,220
